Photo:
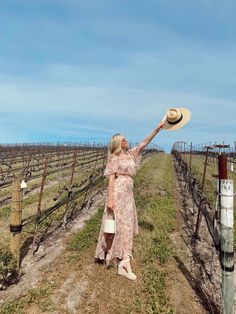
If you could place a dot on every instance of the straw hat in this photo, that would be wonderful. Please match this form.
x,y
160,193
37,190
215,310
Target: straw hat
x,y
175,118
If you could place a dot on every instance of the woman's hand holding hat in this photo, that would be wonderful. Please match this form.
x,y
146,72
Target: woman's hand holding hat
x,y
176,118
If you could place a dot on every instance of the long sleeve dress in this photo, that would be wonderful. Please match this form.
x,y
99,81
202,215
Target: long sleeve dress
x,y
124,208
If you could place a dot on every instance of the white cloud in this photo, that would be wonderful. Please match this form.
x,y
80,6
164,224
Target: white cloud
x,y
117,70
64,111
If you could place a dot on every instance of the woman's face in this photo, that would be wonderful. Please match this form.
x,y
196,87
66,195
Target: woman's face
x,y
124,143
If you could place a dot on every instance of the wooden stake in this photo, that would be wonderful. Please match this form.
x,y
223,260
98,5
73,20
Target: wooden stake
x,y
16,220
190,157
199,216
42,185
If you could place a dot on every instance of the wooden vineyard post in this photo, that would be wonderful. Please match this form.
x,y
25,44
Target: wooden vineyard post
x,y
38,213
16,220
42,186
226,201
90,178
69,197
73,169
103,160
190,157
185,156
199,217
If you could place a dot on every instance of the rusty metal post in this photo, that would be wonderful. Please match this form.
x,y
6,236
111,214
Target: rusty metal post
x,y
16,220
222,164
222,169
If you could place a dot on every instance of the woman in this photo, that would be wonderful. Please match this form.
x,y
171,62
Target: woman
x,y
122,164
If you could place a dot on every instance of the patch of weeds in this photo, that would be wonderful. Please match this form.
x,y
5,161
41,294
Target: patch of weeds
x,y
146,225
157,220
88,234
162,249
29,228
5,212
8,266
13,307
154,289
71,258
37,296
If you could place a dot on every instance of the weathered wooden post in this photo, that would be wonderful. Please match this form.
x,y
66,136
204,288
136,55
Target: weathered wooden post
x,y
73,168
42,185
69,197
39,211
199,216
184,151
190,157
227,236
16,220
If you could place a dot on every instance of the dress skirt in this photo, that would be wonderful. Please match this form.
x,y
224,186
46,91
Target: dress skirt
x,y
126,221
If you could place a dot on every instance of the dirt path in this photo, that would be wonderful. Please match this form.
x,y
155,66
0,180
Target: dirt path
x,y
68,281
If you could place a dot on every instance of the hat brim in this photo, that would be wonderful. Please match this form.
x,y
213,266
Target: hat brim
x,y
186,117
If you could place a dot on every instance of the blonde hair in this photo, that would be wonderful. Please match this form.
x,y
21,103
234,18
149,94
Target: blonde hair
x,y
114,146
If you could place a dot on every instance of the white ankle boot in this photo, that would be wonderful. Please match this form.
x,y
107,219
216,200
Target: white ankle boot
x,y
127,273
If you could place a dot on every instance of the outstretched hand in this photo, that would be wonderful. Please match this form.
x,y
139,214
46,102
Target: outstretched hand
x,y
161,125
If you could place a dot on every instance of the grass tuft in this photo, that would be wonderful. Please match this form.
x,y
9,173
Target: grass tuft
x,y
88,235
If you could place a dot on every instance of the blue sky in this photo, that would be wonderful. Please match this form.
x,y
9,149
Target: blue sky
x,y
84,70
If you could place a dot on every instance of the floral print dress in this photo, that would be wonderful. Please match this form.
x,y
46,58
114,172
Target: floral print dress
x,y
125,167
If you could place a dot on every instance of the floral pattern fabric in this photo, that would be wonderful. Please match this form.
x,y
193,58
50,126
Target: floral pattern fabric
x,y
125,166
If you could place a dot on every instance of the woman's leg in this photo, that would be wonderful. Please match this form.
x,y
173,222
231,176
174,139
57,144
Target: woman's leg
x,y
109,239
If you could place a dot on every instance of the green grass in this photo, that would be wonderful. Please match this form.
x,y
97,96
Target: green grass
x,y
153,244
5,212
88,235
37,296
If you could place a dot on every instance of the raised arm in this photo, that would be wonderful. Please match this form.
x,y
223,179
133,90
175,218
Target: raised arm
x,y
148,139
